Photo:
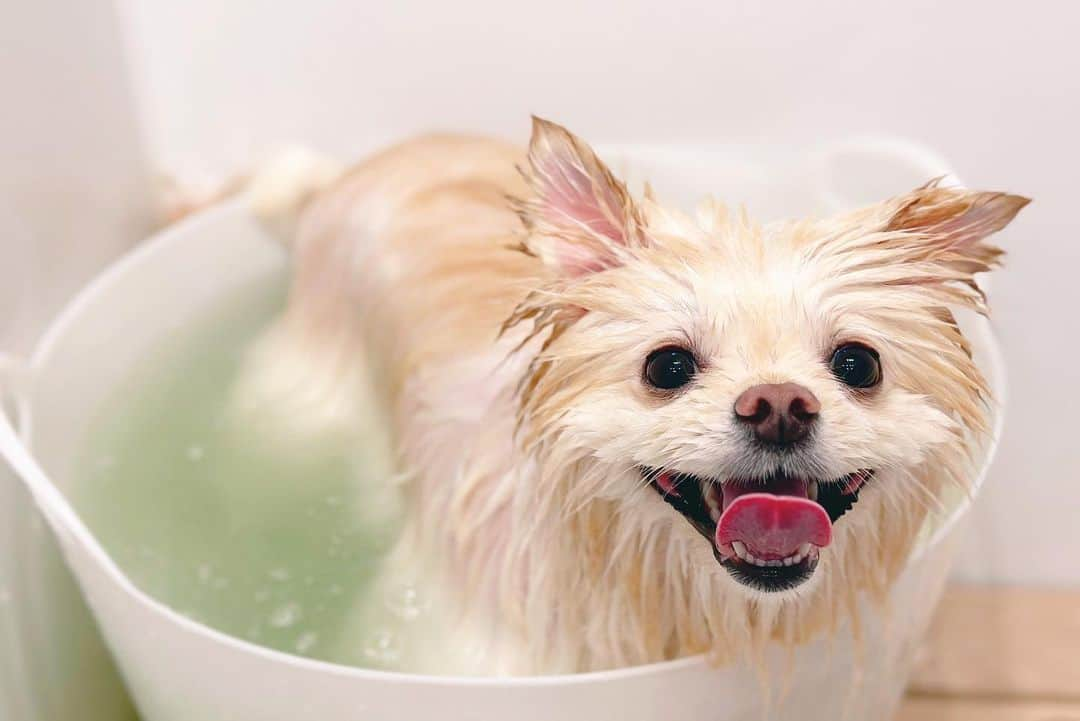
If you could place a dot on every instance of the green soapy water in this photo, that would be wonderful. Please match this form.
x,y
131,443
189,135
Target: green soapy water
x,y
223,526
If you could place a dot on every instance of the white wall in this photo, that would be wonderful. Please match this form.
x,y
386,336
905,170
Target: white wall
x,y
992,85
74,188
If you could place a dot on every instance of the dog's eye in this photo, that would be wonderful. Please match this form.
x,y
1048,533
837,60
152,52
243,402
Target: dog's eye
x,y
669,368
856,365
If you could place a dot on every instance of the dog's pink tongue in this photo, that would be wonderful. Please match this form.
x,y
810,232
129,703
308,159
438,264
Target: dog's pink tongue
x,y
773,527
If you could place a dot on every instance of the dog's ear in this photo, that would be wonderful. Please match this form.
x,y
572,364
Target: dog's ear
x,y
581,219
954,223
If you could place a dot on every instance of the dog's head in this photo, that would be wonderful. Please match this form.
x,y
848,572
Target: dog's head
x,y
781,395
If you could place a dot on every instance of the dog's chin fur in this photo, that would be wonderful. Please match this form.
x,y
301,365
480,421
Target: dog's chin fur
x,y
508,338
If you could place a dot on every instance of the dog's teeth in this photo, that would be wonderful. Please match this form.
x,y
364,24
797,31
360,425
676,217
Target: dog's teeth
x,y
804,550
714,502
742,553
811,490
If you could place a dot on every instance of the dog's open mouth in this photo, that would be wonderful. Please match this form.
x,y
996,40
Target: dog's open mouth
x,y
767,534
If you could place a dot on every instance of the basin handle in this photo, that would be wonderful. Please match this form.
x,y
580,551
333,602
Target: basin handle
x,y
15,378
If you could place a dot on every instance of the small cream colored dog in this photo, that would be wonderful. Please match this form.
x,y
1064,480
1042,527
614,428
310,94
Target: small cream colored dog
x,y
631,434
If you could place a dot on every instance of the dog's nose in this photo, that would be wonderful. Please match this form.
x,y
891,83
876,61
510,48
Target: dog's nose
x,y
779,413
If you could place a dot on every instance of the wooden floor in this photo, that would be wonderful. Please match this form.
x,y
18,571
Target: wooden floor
x,y
1000,654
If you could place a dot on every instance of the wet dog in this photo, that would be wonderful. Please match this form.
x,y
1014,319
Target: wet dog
x,y
632,434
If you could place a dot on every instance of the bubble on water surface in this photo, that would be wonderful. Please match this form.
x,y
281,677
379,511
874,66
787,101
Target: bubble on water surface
x,y
205,573
286,615
381,647
196,453
306,642
406,602
280,574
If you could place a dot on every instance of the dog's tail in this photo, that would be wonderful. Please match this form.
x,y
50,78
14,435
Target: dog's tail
x,y
276,190
281,188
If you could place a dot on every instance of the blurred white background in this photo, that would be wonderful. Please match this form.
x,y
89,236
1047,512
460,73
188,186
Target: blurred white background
x,y
210,85
74,186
